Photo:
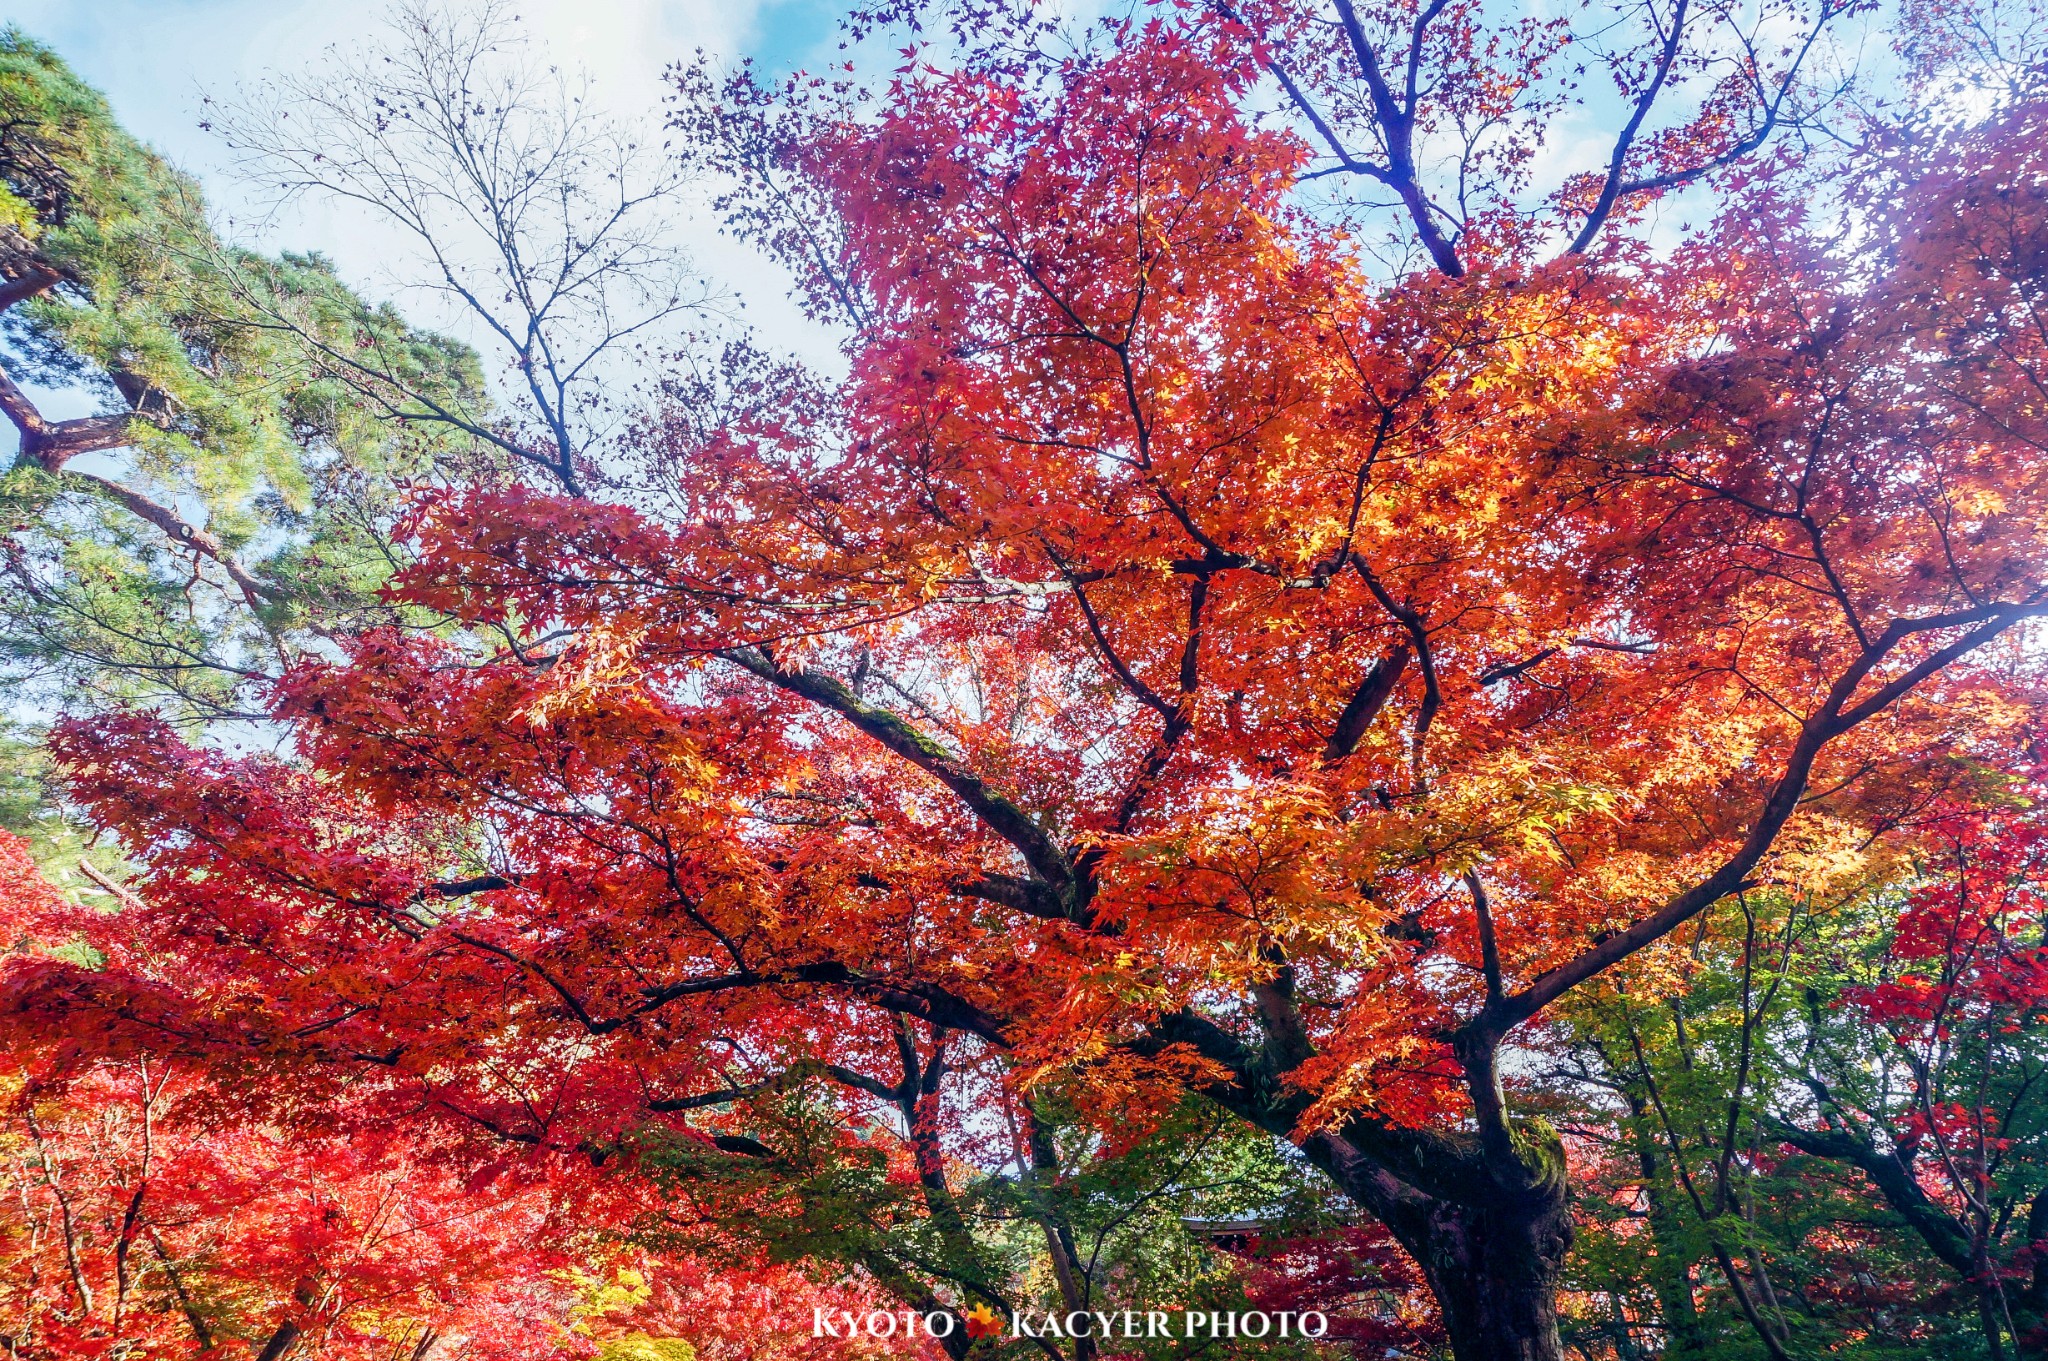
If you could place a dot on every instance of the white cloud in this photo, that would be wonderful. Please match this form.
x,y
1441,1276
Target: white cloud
x,y
157,60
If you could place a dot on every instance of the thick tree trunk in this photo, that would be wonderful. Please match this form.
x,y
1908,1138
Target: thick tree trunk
x,y
1485,1210
280,1342
1494,1270
1492,1254
1496,1274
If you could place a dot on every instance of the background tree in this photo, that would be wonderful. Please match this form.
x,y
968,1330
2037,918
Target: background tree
x,y
1830,1137
1925,1076
229,502
541,225
234,474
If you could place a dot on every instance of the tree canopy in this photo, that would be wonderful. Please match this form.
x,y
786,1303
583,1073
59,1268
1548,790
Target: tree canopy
x,y
1301,674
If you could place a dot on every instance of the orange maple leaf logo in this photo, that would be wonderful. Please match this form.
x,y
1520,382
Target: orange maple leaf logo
x,y
982,1321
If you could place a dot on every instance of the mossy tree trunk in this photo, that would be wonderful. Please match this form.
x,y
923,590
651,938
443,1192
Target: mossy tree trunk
x,y
1490,1238
1484,1209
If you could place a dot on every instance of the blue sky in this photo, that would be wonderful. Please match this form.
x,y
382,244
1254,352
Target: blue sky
x,y
156,59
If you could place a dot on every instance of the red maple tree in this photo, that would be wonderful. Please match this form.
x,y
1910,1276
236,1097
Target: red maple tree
x,y
1174,658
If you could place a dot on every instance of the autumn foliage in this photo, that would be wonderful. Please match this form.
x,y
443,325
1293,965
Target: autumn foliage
x,y
1176,661
151,1204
